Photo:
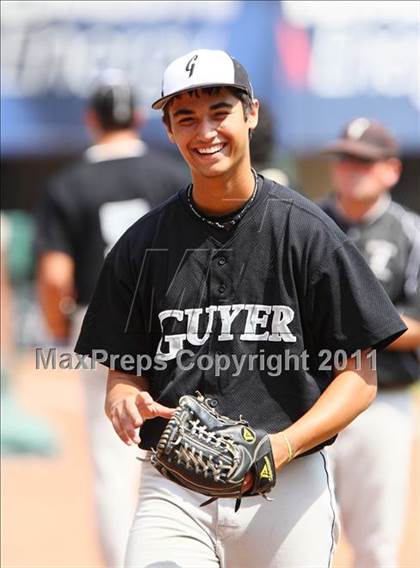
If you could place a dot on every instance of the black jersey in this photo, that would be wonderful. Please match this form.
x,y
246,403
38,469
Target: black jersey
x,y
389,239
285,282
87,207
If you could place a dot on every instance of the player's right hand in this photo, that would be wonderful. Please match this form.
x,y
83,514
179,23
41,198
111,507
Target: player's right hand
x,y
127,407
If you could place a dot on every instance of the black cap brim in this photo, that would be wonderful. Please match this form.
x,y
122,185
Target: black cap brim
x,y
357,149
163,101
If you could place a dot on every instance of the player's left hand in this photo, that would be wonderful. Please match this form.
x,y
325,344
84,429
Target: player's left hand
x,y
213,454
248,482
281,457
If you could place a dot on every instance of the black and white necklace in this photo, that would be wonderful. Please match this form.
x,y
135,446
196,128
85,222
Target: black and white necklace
x,y
230,223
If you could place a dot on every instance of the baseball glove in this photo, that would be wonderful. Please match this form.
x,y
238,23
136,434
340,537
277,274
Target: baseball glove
x,y
211,454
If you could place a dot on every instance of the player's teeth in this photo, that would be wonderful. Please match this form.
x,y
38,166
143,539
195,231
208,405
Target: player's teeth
x,y
211,150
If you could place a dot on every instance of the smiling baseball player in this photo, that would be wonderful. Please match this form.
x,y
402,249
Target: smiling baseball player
x,y
233,265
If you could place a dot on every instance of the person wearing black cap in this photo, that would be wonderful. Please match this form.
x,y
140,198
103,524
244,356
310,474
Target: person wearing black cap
x,y
254,272
262,147
372,456
83,212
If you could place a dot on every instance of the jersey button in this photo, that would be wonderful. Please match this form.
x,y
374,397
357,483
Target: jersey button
x,y
221,261
222,288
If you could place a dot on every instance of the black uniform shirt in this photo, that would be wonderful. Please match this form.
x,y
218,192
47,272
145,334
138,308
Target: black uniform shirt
x,y
86,208
285,281
389,239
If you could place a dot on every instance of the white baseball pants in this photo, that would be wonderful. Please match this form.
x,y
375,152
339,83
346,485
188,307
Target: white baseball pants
x,y
297,529
371,465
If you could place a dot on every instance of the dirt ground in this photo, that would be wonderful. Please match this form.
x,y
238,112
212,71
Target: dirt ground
x,y
47,505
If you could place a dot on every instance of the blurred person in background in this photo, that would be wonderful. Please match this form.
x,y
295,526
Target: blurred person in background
x,y
84,211
21,432
372,455
262,147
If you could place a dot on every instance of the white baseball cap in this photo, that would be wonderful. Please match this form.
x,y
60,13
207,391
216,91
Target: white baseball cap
x,y
202,68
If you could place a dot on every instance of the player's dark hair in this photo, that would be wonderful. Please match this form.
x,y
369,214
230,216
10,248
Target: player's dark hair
x,y
114,106
245,99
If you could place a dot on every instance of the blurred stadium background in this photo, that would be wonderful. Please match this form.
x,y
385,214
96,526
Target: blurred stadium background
x,y
316,64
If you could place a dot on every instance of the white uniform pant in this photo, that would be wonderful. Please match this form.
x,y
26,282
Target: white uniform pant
x,y
371,463
116,469
297,529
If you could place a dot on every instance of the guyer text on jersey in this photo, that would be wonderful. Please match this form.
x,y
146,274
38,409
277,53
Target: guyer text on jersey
x,y
249,322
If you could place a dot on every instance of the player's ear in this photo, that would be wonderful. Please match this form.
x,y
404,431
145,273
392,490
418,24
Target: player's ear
x,y
392,172
169,131
252,117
